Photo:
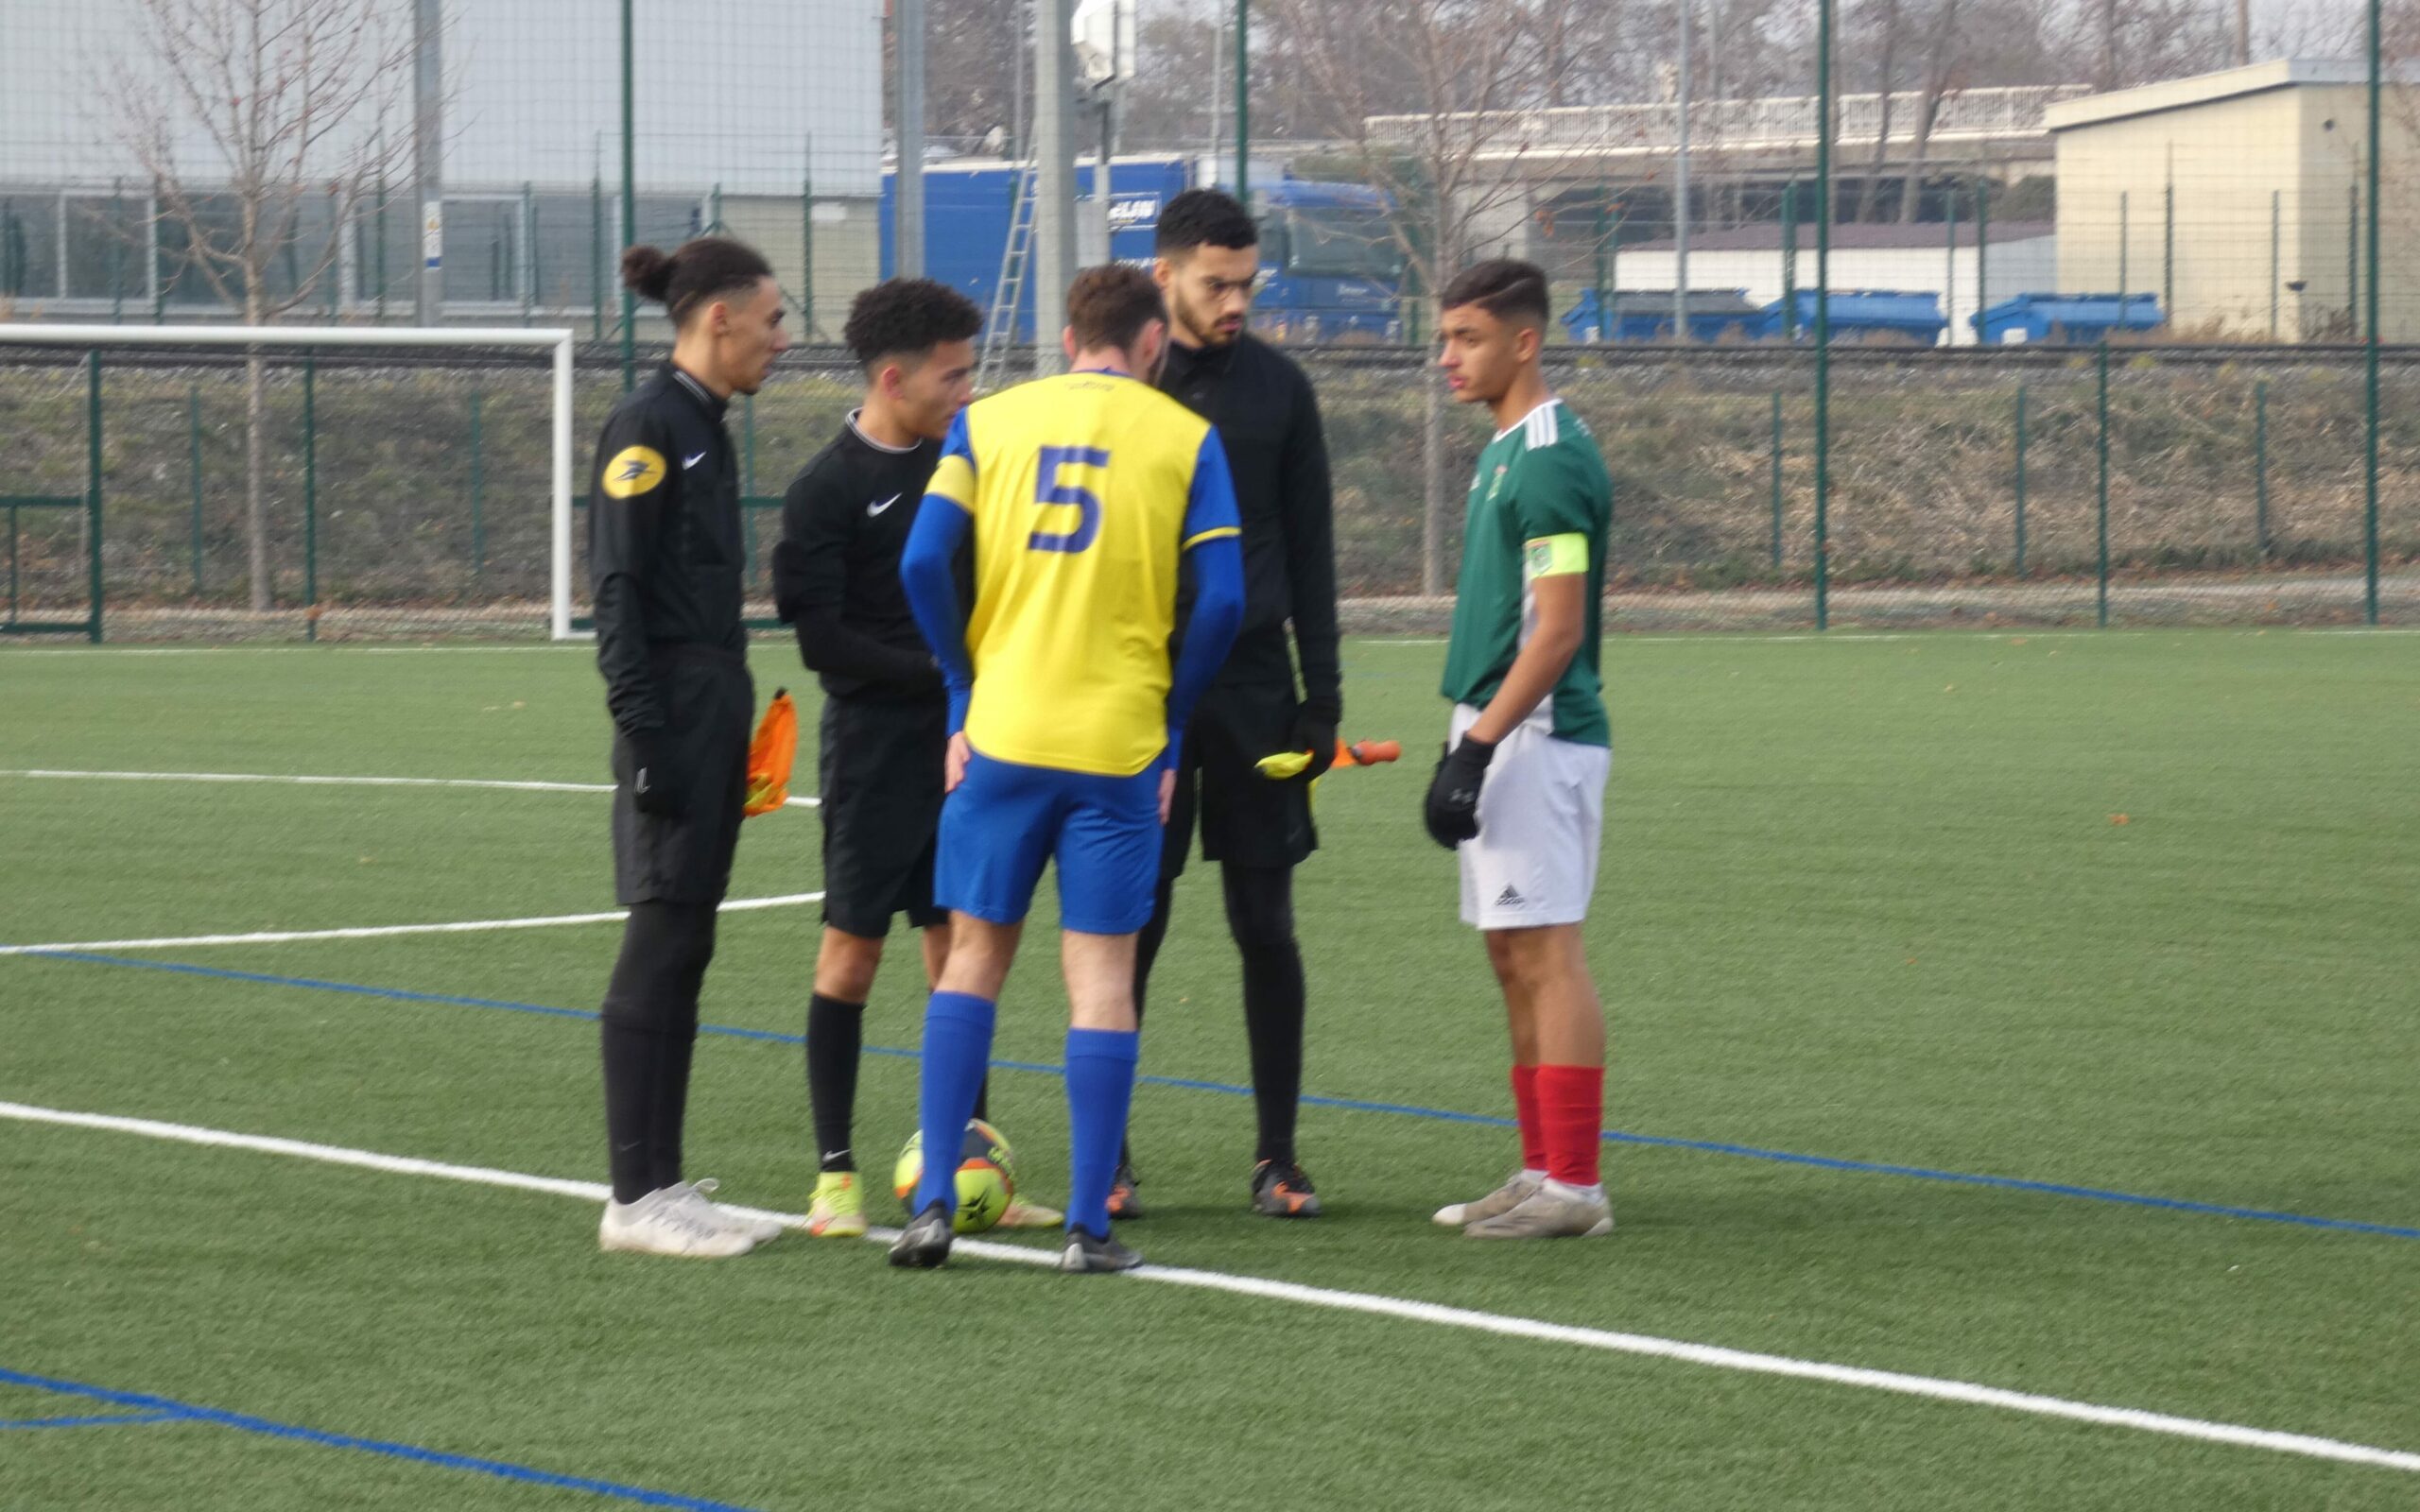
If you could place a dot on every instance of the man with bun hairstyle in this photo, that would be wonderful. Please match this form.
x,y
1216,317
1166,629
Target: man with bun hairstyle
x,y
665,560
885,726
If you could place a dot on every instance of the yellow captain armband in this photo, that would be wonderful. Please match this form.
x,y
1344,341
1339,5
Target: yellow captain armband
x,y
1554,555
954,480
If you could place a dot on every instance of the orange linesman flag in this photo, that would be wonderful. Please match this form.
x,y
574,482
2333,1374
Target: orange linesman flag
x,y
770,755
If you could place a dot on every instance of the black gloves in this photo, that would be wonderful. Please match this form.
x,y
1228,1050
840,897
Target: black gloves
x,y
1314,732
657,786
1452,810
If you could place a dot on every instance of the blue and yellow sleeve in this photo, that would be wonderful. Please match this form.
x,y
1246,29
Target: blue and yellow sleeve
x,y
1210,509
943,522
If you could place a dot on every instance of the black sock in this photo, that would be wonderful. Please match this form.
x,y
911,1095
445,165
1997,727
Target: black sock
x,y
646,1038
983,1098
1260,911
633,1058
1147,952
834,1039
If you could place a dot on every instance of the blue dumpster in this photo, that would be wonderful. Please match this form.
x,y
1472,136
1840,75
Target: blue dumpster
x,y
1646,315
2080,319
1860,313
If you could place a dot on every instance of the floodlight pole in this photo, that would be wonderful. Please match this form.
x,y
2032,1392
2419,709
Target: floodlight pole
x,y
1054,210
428,157
907,228
1243,102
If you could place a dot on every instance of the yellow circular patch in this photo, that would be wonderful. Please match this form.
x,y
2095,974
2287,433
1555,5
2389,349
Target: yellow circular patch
x,y
634,470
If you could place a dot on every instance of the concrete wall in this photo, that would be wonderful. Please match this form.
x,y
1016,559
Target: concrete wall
x,y
2290,151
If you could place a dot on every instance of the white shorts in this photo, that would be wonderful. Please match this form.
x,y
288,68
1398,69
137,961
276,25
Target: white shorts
x,y
1541,818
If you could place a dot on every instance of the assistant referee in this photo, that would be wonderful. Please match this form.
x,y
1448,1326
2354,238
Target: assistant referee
x,y
665,560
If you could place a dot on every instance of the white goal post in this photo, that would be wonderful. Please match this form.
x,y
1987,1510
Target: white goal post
x,y
288,336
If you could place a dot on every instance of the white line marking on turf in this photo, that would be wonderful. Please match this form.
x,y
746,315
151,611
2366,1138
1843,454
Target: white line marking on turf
x,y
1712,1356
495,785
468,926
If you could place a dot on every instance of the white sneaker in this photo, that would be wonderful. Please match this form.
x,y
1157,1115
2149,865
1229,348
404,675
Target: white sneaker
x,y
671,1220
759,1229
1514,1191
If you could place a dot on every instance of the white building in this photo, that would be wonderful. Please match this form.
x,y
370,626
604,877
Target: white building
x,y
1916,259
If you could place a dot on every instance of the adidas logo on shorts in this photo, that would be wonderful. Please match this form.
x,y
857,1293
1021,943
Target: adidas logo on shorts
x,y
1511,898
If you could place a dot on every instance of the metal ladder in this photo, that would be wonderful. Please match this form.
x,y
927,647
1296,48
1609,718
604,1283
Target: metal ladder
x,y
1000,328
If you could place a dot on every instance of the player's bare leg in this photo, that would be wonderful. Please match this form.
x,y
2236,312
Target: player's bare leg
x,y
1558,1028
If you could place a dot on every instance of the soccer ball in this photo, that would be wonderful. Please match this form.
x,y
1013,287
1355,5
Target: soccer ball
x,y
987,1177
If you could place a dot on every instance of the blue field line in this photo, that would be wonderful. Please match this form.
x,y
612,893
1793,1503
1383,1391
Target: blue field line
x,y
1356,1105
168,1410
96,1420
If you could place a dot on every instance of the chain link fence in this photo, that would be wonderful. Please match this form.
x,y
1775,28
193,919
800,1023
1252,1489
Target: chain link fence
x,y
404,495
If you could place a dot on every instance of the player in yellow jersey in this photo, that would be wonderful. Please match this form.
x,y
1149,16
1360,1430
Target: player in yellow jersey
x,y
1084,496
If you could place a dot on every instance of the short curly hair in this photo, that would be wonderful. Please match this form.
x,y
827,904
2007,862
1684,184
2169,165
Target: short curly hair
x,y
907,318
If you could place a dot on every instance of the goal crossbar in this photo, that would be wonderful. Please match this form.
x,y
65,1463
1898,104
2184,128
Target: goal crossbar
x,y
559,339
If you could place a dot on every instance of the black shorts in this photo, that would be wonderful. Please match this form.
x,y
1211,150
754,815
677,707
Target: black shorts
x,y
709,707
882,771
1245,818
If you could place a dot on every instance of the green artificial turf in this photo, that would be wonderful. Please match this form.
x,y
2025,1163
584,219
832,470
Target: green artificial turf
x,y
2128,913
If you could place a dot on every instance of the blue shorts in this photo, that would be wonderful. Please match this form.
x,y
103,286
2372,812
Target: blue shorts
x,y
1006,820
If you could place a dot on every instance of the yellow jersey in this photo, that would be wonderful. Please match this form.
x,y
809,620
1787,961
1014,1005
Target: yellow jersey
x,y
1084,490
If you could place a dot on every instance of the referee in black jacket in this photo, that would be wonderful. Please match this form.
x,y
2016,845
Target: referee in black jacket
x,y
886,716
1256,829
665,560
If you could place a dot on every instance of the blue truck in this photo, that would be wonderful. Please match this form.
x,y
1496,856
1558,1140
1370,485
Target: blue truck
x,y
1329,265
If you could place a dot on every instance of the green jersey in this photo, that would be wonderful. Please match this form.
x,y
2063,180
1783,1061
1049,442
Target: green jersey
x,y
1540,505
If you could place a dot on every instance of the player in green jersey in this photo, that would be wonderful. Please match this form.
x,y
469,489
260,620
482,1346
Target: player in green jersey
x,y
1521,789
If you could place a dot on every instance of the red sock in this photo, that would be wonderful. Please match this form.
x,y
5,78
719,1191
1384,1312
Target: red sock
x,y
1533,1128
1571,1113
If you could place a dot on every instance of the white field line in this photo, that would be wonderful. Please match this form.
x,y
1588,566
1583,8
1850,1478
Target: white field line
x,y
468,926
492,785
1711,1356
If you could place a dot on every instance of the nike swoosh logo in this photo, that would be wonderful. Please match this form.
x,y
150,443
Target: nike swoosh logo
x,y
688,462
877,509
641,785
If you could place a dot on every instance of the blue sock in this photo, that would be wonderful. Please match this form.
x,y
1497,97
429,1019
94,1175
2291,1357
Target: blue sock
x,y
1100,1087
958,1047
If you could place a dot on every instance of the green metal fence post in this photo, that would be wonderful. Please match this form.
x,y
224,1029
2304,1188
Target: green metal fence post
x,y
1822,312
2370,403
2021,480
117,251
748,484
93,522
12,562
2353,262
379,231
2260,468
806,241
1604,291
2168,242
2101,490
597,258
1949,276
2275,224
478,492
193,454
310,499
527,272
1982,253
1243,102
2125,294
1790,261
1776,480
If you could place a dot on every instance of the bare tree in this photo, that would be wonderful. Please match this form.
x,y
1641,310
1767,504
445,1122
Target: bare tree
x,y
1944,61
244,114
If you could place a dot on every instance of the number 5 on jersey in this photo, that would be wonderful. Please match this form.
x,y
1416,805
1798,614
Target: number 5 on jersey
x,y
1049,490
